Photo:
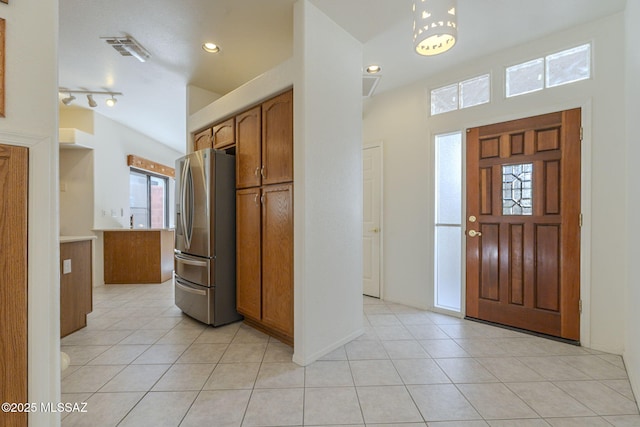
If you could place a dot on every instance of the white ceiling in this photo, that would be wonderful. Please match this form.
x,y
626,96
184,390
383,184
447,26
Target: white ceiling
x,y
256,35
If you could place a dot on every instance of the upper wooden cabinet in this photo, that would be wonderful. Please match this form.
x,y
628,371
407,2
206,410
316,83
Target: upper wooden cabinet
x,y
264,143
277,139
224,134
248,151
202,140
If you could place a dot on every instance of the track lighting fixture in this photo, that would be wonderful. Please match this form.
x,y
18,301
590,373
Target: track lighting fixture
x,y
67,100
111,100
92,102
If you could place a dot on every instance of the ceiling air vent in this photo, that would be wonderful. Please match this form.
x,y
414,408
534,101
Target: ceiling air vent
x,y
128,46
369,84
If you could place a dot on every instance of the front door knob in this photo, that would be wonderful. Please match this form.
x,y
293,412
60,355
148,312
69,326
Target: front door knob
x,y
474,233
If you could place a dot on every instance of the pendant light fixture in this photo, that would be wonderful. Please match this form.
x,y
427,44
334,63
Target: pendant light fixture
x,y
435,26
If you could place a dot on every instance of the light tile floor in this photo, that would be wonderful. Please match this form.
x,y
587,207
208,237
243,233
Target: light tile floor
x,y
141,362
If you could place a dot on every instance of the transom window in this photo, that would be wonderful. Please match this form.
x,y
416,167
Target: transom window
x,y
557,69
465,94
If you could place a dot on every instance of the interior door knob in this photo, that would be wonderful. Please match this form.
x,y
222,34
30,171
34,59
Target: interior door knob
x,y
474,233
375,230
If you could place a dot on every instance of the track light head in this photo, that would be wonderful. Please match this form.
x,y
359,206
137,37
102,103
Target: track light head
x,y
92,102
111,101
68,99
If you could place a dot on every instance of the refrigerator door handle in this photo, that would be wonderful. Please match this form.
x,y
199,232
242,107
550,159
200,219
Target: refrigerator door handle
x,y
187,261
186,208
190,289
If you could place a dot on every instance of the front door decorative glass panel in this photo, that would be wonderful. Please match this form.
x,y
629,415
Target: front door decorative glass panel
x,y
517,189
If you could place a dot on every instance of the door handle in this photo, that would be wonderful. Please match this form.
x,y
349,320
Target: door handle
x,y
375,230
474,233
194,263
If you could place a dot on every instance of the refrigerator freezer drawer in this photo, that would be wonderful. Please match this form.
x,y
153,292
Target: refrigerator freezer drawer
x,y
195,301
195,270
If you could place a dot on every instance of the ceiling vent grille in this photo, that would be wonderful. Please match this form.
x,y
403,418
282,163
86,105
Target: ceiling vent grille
x,y
128,46
369,84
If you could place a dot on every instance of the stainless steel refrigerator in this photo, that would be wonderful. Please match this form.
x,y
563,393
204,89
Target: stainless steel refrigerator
x,y
205,249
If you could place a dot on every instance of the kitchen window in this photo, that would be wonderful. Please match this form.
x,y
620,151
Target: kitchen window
x,y
148,199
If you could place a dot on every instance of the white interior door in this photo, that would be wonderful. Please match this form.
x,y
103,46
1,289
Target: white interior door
x,y
372,209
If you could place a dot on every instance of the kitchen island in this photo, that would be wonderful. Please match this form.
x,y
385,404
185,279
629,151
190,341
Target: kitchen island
x,y
140,255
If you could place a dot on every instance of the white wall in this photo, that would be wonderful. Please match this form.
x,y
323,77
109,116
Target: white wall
x,y
111,143
198,98
31,120
632,339
76,192
328,184
401,118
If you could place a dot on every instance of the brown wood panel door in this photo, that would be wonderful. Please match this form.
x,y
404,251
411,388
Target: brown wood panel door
x,y
224,134
248,259
277,258
202,140
13,280
523,224
248,148
277,139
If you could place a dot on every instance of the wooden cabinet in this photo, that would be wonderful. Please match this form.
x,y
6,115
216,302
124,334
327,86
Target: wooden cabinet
x,y
264,138
224,134
265,258
277,258
264,216
277,139
202,140
138,256
248,252
248,151
75,285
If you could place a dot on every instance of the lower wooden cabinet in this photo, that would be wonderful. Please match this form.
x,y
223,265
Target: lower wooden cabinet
x,y
265,258
75,286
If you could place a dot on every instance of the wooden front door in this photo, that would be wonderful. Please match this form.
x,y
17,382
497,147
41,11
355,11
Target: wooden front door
x,y
523,224
13,281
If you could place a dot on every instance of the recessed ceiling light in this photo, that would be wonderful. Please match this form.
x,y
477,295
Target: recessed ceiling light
x,y
211,47
372,69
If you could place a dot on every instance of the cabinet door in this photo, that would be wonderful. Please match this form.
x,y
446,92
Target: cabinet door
x,y
202,140
224,134
277,139
248,252
248,160
277,258
75,286
14,178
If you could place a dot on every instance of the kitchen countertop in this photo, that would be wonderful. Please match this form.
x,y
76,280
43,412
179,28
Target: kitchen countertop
x,y
134,229
69,239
